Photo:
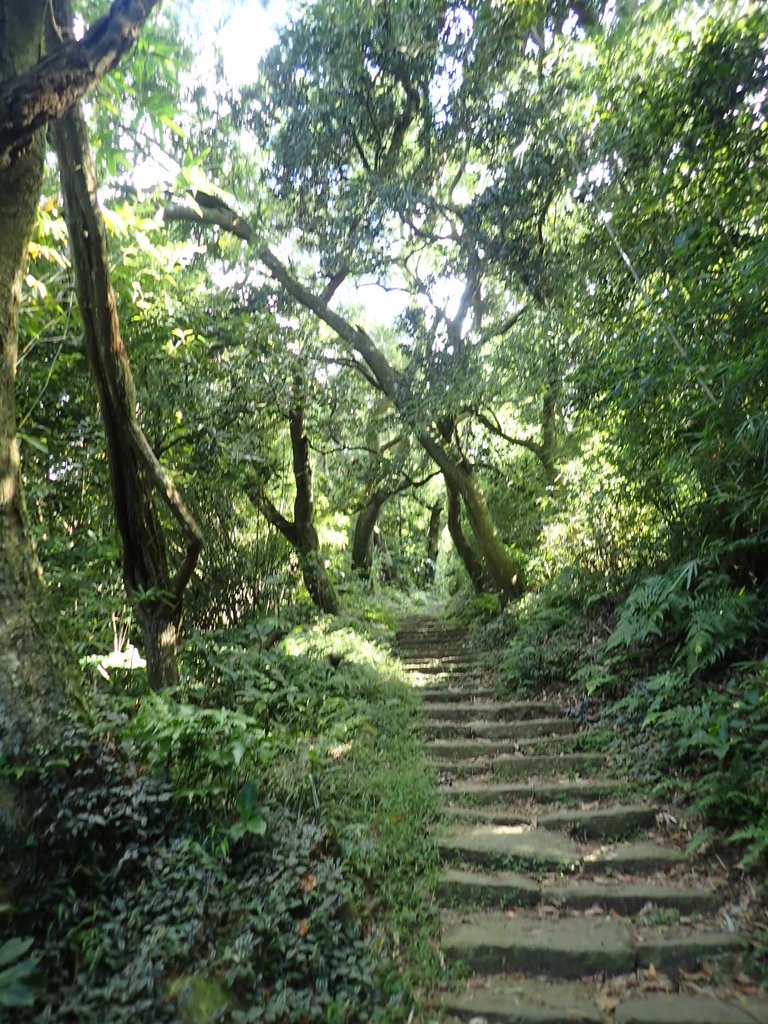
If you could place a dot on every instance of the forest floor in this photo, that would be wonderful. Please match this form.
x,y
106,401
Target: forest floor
x,y
565,894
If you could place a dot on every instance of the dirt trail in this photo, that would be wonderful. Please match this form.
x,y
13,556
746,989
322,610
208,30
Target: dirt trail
x,y
570,903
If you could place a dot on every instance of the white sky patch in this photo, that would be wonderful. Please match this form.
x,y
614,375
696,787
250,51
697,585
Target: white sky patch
x,y
247,36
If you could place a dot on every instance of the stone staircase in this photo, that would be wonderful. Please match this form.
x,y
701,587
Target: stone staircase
x,y
569,903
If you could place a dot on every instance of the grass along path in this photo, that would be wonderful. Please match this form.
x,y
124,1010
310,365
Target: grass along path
x,y
562,901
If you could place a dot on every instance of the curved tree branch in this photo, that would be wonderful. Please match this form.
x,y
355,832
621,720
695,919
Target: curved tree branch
x,y
53,85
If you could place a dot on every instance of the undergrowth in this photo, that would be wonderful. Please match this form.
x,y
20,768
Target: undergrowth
x,y
251,847
676,663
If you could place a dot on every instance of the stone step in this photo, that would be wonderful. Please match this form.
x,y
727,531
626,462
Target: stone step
x,y
469,656
443,667
483,815
449,771
460,710
678,1008
519,766
679,948
452,680
491,943
454,750
574,947
524,1001
602,823
539,790
436,696
418,626
485,730
502,1000
628,898
504,889
519,846
458,887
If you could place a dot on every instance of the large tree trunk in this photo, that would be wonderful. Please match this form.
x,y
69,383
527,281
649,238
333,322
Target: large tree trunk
x,y
365,526
35,676
31,679
465,551
433,543
155,593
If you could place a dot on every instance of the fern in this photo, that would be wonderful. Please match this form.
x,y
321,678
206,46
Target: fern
x,y
718,623
649,607
756,839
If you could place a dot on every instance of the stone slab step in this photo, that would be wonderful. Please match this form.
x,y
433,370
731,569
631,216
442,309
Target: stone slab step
x,y
504,889
671,950
476,679
525,1001
487,889
490,748
503,1000
605,822
661,1008
521,766
628,898
574,947
437,696
566,948
443,667
504,846
449,771
484,815
511,766
472,656
637,858
468,711
539,790
487,730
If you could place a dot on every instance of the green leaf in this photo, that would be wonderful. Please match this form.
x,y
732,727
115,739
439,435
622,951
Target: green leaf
x,y
13,949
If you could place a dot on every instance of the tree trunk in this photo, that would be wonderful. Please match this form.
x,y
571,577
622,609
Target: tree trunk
x,y
429,565
365,526
433,539
136,474
503,569
316,578
549,420
317,581
32,681
35,676
464,549
301,533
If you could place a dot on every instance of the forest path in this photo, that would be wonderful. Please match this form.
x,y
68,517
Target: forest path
x,y
569,903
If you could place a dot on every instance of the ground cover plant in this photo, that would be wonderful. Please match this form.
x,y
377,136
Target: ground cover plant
x,y
244,848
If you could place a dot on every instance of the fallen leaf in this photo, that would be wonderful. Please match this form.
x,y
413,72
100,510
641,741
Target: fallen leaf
x,y
302,927
308,883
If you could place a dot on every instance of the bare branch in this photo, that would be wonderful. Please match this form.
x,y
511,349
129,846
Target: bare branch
x,y
521,442
500,329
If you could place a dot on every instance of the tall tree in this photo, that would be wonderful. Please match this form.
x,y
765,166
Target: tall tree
x,y
137,475
32,679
